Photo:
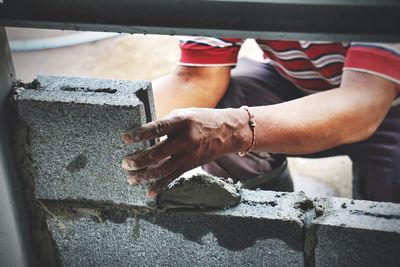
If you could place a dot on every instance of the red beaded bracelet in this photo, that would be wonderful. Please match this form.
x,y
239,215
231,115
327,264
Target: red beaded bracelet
x,y
252,124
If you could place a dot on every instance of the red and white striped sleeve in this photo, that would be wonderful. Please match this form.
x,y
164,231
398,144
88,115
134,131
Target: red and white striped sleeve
x,y
208,51
381,59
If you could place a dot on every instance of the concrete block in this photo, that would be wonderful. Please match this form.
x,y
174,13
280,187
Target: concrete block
x,y
73,136
357,233
266,229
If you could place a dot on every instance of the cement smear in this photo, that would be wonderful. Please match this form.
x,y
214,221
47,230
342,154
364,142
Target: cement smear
x,y
199,192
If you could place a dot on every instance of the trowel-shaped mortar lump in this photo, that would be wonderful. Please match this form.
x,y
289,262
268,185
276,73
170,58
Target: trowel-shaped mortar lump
x,y
199,192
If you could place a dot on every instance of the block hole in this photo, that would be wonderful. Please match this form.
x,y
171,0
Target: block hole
x,y
85,89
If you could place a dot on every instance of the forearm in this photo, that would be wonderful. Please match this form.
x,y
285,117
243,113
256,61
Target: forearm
x,y
321,121
190,87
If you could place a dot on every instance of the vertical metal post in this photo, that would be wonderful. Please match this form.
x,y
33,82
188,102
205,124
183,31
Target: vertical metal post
x,y
14,246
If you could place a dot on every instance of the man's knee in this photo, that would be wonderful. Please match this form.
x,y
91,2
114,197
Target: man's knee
x,y
376,168
376,186
233,97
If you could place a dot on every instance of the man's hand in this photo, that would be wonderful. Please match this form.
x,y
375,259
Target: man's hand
x,y
195,137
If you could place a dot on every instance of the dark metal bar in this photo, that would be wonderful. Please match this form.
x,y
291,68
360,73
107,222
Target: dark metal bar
x,y
14,245
340,20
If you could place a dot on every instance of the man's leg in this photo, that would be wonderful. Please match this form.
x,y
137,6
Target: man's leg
x,y
254,84
376,162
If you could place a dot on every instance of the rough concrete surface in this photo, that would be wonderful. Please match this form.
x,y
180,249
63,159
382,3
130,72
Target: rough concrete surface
x,y
73,137
199,191
357,233
264,230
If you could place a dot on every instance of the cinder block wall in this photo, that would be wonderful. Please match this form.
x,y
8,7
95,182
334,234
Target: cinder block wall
x,y
83,212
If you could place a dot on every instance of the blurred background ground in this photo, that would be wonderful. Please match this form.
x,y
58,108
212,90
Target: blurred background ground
x,y
146,57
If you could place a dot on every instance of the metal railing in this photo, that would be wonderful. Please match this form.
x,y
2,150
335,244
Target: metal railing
x,y
318,20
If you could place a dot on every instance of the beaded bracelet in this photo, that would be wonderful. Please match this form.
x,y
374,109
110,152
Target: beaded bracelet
x,y
252,124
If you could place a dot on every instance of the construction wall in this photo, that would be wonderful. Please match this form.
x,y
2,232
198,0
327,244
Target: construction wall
x,y
83,212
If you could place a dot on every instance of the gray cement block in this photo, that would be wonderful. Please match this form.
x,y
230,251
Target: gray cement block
x,y
73,136
357,233
266,229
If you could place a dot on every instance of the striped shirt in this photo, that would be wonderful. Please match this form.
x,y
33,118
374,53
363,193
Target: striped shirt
x,y
311,66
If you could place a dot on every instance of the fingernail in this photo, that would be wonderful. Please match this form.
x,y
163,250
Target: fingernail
x,y
131,182
129,166
151,194
127,138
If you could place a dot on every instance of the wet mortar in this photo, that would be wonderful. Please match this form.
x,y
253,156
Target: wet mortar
x,y
201,192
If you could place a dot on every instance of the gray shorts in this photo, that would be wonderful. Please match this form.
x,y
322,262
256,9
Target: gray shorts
x,y
376,161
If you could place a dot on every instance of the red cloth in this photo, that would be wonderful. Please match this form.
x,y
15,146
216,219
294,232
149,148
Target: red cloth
x,y
311,66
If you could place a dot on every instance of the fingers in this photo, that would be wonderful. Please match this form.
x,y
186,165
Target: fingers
x,y
162,169
152,130
150,155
